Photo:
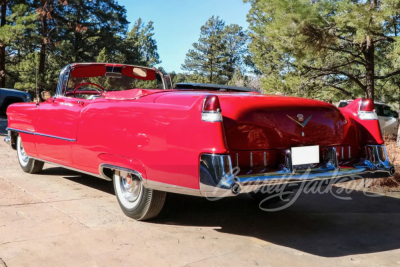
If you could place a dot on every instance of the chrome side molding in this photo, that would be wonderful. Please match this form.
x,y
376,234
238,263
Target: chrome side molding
x,y
71,168
117,168
41,134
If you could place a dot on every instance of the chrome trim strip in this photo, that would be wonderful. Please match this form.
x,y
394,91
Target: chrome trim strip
x,y
342,152
172,188
237,160
151,184
349,152
114,167
251,159
265,159
19,131
70,168
40,134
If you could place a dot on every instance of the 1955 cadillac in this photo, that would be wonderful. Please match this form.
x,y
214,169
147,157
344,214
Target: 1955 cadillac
x,y
196,139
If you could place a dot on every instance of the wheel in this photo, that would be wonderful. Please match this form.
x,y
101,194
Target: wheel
x,y
135,200
27,164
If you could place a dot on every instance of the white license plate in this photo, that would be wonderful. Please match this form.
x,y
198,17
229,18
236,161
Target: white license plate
x,y
305,155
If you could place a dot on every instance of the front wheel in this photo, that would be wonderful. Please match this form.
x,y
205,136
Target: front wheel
x,y
135,200
27,164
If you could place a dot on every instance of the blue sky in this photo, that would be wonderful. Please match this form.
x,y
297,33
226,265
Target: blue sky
x,y
177,23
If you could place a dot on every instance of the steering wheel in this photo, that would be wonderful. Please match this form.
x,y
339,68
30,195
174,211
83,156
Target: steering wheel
x,y
82,84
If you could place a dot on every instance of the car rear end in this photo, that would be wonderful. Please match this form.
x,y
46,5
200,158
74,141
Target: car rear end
x,y
276,140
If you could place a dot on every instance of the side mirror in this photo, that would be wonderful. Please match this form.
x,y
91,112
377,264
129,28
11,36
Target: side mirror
x,y
45,95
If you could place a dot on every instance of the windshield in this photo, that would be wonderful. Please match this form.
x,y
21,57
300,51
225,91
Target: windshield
x,y
94,79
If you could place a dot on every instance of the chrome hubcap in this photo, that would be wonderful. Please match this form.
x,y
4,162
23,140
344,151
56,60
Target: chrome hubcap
x,y
24,157
131,187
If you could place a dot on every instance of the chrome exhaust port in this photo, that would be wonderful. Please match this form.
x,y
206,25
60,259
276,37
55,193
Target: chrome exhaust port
x,y
236,189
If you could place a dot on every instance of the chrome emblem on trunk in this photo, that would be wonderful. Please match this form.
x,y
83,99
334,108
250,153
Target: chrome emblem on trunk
x,y
300,118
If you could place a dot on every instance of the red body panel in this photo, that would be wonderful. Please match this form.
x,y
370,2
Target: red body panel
x,y
368,131
161,134
259,123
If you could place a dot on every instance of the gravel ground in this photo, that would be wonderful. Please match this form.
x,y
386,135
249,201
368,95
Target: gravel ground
x,y
61,218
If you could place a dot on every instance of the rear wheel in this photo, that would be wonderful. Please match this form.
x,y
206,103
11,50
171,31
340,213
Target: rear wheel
x,y
27,164
135,200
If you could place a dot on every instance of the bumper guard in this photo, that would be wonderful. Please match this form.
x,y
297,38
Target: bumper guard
x,y
218,176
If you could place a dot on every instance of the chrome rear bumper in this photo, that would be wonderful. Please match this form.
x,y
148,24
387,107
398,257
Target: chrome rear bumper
x,y
219,179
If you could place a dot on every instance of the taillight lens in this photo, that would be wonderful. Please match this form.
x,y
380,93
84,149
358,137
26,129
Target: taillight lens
x,y
211,109
367,105
211,104
366,111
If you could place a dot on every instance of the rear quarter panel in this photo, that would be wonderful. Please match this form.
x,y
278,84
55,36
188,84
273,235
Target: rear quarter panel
x,y
166,138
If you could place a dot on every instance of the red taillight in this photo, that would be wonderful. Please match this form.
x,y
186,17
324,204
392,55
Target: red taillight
x,y
211,109
211,104
366,110
367,105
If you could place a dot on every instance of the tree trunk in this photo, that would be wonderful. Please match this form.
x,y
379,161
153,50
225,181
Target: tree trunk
x,y
78,35
369,54
42,58
211,71
3,4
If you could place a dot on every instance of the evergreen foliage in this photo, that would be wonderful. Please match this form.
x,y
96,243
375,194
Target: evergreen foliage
x,y
327,49
40,37
220,51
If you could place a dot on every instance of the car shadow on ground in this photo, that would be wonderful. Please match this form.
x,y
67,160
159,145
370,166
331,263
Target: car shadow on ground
x,y
318,224
83,179
321,225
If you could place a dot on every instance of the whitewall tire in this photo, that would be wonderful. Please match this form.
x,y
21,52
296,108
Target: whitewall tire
x,y
27,164
135,200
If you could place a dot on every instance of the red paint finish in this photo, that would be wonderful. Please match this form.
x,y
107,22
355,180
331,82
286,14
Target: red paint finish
x,y
263,122
368,131
160,133
367,105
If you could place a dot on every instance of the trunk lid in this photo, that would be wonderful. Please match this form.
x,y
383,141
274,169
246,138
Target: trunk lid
x,y
259,122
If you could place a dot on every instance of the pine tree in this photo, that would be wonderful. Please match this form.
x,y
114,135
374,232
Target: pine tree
x,y
235,45
140,47
90,26
219,53
15,19
207,56
310,48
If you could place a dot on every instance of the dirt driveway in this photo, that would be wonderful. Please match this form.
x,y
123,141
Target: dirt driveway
x,y
62,218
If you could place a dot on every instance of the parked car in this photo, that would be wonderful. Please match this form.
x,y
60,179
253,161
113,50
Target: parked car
x,y
11,96
387,116
201,140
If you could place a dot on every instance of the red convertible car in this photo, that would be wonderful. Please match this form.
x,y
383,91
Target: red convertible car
x,y
196,139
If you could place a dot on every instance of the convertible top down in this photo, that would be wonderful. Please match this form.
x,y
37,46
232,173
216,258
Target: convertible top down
x,y
126,124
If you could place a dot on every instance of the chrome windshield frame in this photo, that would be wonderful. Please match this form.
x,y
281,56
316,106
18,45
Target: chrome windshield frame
x,y
65,75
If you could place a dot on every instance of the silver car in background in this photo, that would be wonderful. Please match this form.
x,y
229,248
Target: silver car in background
x,y
387,116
